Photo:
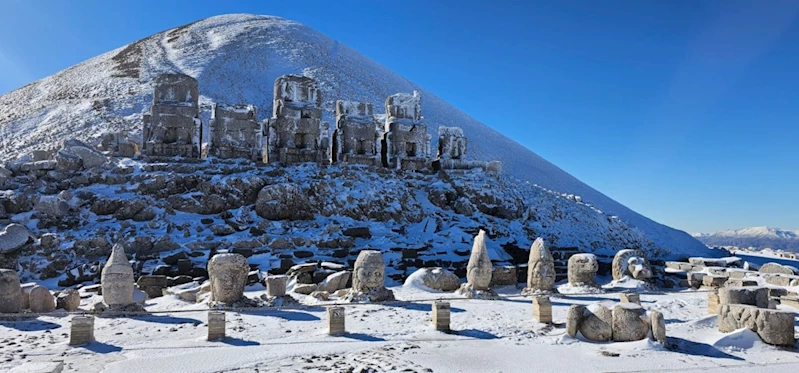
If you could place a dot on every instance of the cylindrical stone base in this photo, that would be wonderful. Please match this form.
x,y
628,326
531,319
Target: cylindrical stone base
x,y
276,286
216,325
335,320
81,331
441,312
542,310
630,298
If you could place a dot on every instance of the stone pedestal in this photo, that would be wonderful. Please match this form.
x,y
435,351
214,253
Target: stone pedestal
x,y
630,298
542,310
216,325
276,286
335,320
81,331
441,315
712,303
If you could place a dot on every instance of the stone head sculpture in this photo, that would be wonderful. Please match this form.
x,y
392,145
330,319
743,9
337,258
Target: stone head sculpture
x,y
479,268
632,263
540,267
117,278
228,275
369,273
10,291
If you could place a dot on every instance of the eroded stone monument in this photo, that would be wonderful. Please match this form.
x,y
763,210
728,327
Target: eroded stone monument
x,y
236,133
540,269
10,291
227,273
478,271
368,279
631,263
81,330
358,135
117,279
407,143
296,134
172,126
582,270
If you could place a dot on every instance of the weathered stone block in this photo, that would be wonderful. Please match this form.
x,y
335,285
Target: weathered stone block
x,y
441,315
629,323
773,326
713,281
276,285
216,325
335,320
81,330
574,318
542,309
630,298
712,302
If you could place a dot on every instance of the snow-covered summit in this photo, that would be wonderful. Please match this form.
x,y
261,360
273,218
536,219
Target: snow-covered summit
x,y
236,59
757,237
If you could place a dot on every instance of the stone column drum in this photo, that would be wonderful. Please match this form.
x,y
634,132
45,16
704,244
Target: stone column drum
x,y
216,325
335,320
81,331
441,315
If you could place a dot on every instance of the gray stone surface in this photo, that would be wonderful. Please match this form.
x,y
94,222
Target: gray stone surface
x,y
438,278
81,330
173,121
117,278
276,285
479,268
407,140
335,282
773,326
336,320
658,324
632,263
228,276
777,268
574,318
441,315
41,300
10,291
358,134
582,270
540,268
304,288
629,323
236,133
368,278
68,300
296,133
13,237
754,296
597,323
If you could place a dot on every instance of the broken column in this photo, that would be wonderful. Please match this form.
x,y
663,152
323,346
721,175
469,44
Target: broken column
x,y
478,271
542,309
171,128
216,325
335,320
81,331
358,135
296,134
236,132
407,143
368,279
540,269
441,315
10,291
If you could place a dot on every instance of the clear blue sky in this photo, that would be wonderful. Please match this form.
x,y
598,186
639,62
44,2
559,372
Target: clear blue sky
x,y
686,111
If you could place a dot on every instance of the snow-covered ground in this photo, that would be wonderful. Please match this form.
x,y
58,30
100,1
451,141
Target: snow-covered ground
x,y
487,336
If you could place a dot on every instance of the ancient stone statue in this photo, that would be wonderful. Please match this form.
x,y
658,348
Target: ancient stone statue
x,y
368,281
540,269
10,291
582,270
228,275
117,279
478,271
632,263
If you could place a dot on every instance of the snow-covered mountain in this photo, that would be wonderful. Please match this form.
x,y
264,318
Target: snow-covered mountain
x,y
757,237
236,59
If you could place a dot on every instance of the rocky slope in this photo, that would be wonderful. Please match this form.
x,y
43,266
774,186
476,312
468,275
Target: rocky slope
x,y
757,237
236,59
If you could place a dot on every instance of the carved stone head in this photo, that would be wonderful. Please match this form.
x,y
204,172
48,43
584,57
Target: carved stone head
x,y
228,275
370,271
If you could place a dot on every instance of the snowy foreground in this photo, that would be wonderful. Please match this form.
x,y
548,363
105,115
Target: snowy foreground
x,y
487,336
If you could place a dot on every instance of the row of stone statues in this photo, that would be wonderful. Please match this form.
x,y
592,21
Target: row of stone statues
x,y
296,132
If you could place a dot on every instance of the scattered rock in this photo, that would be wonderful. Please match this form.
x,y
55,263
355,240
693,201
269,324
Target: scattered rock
x,y
41,301
68,300
13,237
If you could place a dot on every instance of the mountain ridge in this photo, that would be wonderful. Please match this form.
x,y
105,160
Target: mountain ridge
x,y
236,59
760,237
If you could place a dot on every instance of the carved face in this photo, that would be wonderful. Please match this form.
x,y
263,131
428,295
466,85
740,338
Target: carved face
x,y
369,271
370,278
639,268
117,288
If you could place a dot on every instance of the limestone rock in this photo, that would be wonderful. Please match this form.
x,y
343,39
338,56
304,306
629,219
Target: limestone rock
x,y
283,202
368,282
304,288
658,326
52,207
336,281
773,326
479,268
89,157
321,295
228,276
777,268
68,300
438,278
582,269
632,263
13,237
41,300
753,296
540,268
117,278
597,323
504,275
629,323
10,291
574,318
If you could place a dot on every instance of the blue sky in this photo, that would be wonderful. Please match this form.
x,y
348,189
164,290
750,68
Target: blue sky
x,y
686,111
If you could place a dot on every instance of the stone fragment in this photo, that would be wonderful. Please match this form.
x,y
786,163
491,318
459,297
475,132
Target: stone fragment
x,y
777,268
437,278
283,202
754,296
574,318
321,295
632,263
81,330
629,323
68,300
335,282
712,302
773,326
228,276
368,281
713,281
304,288
542,309
658,326
582,270
10,291
441,315
739,282
597,323
504,275
335,320
117,278
276,285
540,268
153,285
695,279
13,237
216,325
630,298
41,300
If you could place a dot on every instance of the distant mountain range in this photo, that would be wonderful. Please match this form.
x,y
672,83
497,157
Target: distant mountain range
x,y
757,237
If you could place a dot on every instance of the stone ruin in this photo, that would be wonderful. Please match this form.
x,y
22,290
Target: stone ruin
x,y
368,279
357,138
750,307
618,322
117,284
582,270
631,263
227,274
540,269
478,271
236,133
296,134
452,152
10,291
406,143
172,127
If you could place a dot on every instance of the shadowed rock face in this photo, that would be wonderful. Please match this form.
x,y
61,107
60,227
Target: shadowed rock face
x,y
479,268
228,276
10,291
117,279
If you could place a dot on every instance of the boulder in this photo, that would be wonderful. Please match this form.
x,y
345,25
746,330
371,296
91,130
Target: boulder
x,y
582,270
754,296
437,278
304,288
41,300
153,285
658,326
777,268
13,237
52,207
68,300
629,323
336,281
773,326
597,323
359,232
89,157
321,295
283,202
10,291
